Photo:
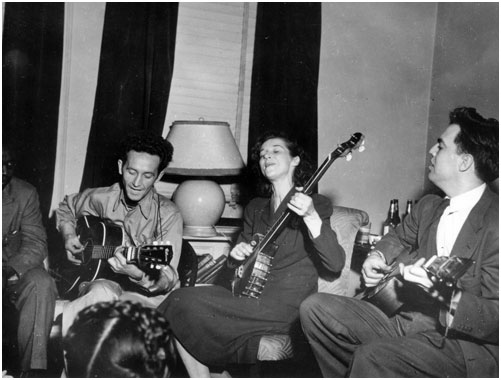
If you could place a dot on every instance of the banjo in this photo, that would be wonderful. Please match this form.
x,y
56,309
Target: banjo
x,y
250,277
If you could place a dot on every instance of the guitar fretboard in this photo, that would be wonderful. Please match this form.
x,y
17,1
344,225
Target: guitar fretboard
x,y
101,251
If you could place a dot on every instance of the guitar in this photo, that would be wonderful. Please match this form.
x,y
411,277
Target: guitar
x,y
250,277
100,239
390,294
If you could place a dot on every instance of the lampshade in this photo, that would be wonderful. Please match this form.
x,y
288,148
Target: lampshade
x,y
202,149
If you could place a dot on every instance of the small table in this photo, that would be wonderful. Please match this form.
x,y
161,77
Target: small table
x,y
212,251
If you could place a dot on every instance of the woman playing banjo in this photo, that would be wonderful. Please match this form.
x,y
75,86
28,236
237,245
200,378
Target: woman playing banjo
x,y
214,327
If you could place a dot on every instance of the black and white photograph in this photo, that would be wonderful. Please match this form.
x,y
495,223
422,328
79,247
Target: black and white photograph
x,y
250,189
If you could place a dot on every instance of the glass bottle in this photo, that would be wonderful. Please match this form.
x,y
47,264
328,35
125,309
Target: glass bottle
x,y
396,215
408,209
387,224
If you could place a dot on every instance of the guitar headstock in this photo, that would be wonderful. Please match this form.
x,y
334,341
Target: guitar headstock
x,y
356,142
150,256
447,270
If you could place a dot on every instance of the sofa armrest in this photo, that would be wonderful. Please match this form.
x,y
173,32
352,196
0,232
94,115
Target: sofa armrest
x,y
345,222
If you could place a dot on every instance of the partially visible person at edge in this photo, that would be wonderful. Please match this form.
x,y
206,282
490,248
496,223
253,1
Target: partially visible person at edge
x,y
119,339
25,282
440,332
232,332
145,216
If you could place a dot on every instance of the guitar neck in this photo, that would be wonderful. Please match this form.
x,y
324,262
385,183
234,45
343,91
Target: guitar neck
x,y
106,251
277,227
315,178
103,251
281,222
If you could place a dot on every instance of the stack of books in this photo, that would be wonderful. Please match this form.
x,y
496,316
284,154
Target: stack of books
x,y
208,268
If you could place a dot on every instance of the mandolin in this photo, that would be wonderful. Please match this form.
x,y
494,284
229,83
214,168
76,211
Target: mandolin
x,y
390,294
249,279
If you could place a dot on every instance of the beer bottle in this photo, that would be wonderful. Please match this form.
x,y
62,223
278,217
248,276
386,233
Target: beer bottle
x,y
396,215
387,224
408,208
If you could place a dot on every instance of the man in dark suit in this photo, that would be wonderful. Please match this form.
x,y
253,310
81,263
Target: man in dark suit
x,y
437,332
26,284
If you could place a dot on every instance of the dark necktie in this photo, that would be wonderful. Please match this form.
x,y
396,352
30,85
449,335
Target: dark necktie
x,y
444,245
442,206
432,242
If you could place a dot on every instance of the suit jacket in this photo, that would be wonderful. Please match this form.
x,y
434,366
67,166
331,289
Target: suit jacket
x,y
24,240
475,323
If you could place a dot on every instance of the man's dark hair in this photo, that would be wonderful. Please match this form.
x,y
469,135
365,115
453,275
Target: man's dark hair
x,y
480,138
119,339
149,143
302,173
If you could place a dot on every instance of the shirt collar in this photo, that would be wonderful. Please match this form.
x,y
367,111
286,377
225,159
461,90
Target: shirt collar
x,y
144,204
467,200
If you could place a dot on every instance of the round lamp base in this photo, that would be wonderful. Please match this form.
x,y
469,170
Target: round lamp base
x,y
199,231
201,203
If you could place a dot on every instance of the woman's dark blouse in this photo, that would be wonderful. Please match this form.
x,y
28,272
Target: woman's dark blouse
x,y
218,328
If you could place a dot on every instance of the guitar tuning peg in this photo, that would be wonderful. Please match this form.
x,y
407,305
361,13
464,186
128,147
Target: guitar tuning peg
x,y
349,156
361,148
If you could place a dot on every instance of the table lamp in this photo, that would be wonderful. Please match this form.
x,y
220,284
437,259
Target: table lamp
x,y
202,149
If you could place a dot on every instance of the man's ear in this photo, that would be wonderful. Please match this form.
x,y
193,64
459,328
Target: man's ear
x,y
120,167
296,160
466,162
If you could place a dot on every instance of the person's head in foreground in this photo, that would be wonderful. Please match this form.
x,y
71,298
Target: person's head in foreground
x,y
119,339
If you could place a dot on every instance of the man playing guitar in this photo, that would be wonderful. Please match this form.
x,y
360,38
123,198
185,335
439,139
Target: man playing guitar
x,y
426,337
144,216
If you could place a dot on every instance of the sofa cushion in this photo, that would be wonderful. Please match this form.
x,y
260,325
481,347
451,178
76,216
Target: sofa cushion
x,y
275,347
345,222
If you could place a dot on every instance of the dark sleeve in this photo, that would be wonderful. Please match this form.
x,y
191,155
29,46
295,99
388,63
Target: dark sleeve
x,y
247,229
330,252
404,239
477,313
248,219
33,238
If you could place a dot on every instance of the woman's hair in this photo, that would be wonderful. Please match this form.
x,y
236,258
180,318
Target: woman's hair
x,y
119,339
302,173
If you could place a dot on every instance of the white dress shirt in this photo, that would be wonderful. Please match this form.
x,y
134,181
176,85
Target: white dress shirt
x,y
453,218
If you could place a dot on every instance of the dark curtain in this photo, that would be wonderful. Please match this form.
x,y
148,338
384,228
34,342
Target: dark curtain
x,y
135,72
32,63
285,72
